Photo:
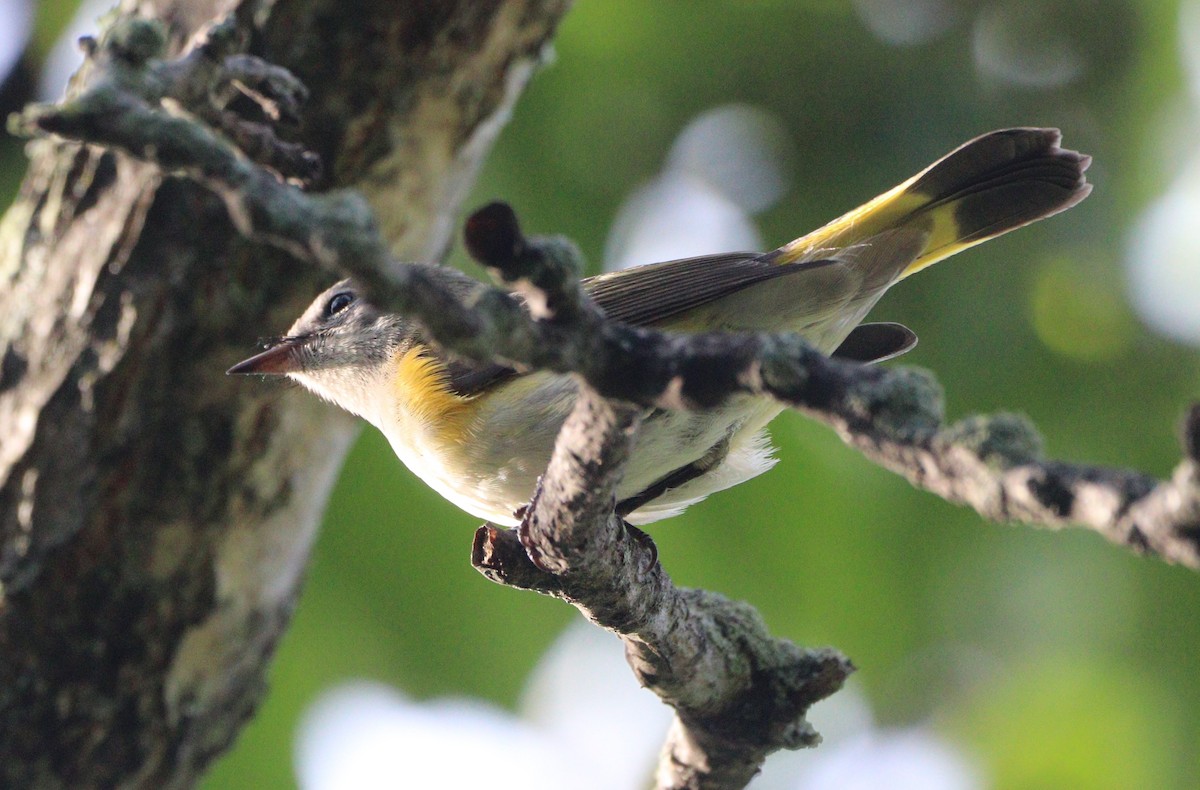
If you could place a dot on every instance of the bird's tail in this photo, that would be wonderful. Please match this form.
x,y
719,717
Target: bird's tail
x,y
986,187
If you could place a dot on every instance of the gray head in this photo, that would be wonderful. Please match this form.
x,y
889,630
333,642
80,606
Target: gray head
x,y
339,348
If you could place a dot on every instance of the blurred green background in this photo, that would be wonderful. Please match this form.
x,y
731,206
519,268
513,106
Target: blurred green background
x,y
1054,659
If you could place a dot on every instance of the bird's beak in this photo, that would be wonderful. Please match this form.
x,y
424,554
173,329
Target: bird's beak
x,y
279,359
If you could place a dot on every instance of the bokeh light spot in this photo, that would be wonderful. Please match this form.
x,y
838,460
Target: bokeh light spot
x,y
739,151
16,24
1025,45
1189,42
1163,259
907,22
1080,315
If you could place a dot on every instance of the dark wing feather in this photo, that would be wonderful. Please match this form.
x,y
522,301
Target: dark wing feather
x,y
647,295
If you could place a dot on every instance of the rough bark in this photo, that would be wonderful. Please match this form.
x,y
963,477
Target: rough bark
x,y
155,517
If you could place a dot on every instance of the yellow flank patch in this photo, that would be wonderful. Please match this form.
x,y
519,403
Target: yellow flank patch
x,y
423,395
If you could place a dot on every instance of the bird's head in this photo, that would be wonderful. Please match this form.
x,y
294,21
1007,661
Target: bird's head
x,y
340,348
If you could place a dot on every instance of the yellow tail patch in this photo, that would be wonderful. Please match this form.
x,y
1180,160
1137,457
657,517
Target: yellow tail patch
x,y
895,208
988,186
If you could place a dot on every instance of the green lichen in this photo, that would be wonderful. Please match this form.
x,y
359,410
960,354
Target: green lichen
x,y
1002,441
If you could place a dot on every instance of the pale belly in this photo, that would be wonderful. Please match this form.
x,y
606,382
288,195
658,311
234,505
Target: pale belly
x,y
489,465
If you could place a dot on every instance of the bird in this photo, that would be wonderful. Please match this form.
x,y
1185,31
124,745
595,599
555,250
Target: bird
x,y
480,433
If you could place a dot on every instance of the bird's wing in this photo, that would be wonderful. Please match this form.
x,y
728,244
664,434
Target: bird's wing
x,y
654,294
649,295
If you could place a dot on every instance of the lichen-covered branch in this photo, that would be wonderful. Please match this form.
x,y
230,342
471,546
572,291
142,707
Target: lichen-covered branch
x,y
893,415
738,694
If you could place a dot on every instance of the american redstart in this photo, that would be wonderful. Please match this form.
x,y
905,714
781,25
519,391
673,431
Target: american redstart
x,y
480,434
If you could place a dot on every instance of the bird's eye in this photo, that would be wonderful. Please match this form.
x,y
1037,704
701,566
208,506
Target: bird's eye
x,y
338,302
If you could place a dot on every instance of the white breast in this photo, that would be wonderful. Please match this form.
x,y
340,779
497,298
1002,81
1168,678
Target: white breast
x,y
490,466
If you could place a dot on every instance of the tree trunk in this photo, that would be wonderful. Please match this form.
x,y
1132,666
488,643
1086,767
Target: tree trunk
x,y
155,517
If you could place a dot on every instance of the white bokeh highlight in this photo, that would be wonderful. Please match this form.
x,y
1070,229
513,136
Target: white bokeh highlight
x,y
366,736
904,759
677,216
16,25
583,693
737,150
1019,44
585,724
723,168
1162,253
65,58
1189,43
907,22
1163,258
